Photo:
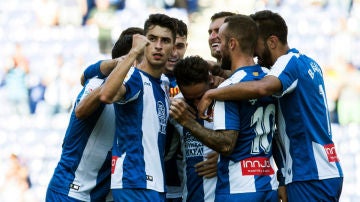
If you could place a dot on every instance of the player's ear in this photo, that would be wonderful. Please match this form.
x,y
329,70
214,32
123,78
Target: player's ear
x,y
232,43
272,41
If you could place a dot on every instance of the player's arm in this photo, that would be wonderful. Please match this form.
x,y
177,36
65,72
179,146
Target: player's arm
x,y
268,85
103,70
222,141
113,89
88,105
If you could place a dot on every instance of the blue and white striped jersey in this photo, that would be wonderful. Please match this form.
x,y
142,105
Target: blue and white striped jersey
x,y
141,119
83,171
250,168
303,120
196,188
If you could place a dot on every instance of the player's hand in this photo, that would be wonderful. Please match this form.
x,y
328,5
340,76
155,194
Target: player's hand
x,y
139,43
282,194
215,81
181,112
208,168
203,105
214,67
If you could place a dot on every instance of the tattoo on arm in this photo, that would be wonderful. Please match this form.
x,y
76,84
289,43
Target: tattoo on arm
x,y
222,141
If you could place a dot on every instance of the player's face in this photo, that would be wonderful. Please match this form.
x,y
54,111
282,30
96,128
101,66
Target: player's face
x,y
160,47
213,37
177,53
263,54
193,93
224,49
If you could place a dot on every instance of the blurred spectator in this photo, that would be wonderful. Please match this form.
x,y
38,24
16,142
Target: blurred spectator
x,y
192,6
58,93
47,12
70,12
349,98
86,7
103,16
16,185
15,82
332,86
36,94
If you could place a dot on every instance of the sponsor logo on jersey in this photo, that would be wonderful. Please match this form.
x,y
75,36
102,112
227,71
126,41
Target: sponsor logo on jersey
x,y
256,166
162,114
331,153
113,163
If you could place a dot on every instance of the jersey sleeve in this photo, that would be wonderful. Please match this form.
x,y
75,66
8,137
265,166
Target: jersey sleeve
x,y
226,116
93,70
134,86
285,69
90,85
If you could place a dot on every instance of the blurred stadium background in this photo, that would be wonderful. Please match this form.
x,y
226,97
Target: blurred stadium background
x,y
48,43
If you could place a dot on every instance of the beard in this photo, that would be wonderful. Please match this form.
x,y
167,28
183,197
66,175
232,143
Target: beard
x,y
226,62
264,59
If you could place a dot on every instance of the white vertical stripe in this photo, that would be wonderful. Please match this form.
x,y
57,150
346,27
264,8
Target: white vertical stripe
x,y
325,168
219,115
238,182
219,107
150,128
281,124
209,189
94,155
117,176
274,183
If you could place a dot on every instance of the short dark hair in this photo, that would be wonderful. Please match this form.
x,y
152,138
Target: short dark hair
x,y
271,23
221,15
182,29
244,29
191,70
161,20
124,43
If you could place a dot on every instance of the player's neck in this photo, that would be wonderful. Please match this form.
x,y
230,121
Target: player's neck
x,y
241,61
154,71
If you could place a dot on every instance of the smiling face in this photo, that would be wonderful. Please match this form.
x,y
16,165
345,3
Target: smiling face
x,y
213,37
177,53
160,47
